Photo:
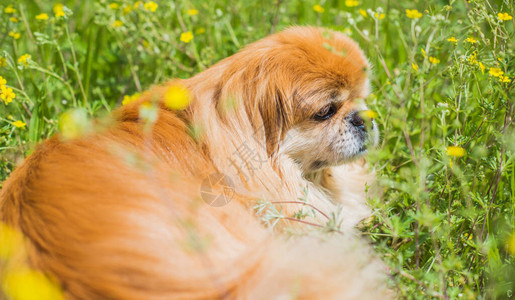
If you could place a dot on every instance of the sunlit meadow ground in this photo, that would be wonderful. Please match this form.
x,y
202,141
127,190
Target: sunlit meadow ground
x,y
443,96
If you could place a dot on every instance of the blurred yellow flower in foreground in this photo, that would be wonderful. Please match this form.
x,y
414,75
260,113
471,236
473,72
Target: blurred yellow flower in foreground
x,y
126,9
177,97
2,81
504,17
151,5
511,243
413,14
504,79
19,124
351,3
6,94
74,123
379,16
26,284
473,58
9,10
414,66
370,114
482,67
10,241
129,99
363,12
192,12
452,39
13,19
496,72
59,10
318,8
186,37
117,24
434,60
24,59
471,40
14,35
42,16
456,151
423,52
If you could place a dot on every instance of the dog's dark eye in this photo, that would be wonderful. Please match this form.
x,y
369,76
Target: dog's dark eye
x,y
325,113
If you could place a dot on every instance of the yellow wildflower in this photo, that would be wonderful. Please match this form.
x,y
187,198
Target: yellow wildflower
x,y
129,99
74,123
13,19
177,97
413,14
186,37
2,81
452,39
126,9
138,4
15,35
414,66
379,16
473,58
24,59
456,151
117,24
7,95
19,124
192,12
482,67
504,17
42,16
505,79
10,241
3,62
200,30
25,284
59,10
351,3
114,6
496,72
471,40
318,8
151,5
363,12
9,10
434,60
511,243
370,114
423,52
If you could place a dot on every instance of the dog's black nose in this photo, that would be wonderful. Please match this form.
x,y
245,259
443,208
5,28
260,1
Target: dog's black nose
x,y
357,120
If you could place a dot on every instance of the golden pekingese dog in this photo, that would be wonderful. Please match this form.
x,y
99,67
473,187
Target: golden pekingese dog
x,y
121,213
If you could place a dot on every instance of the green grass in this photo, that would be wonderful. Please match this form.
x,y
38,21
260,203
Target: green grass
x,y
445,224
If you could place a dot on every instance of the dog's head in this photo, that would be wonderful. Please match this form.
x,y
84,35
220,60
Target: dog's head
x,y
306,87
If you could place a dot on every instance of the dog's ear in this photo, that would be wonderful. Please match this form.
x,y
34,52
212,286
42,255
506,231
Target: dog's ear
x,y
277,115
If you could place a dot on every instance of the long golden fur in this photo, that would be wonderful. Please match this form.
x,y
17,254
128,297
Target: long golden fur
x,y
117,214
